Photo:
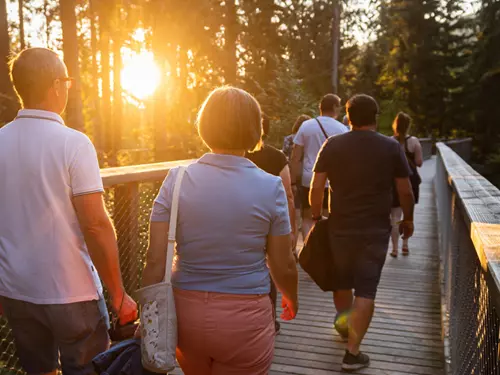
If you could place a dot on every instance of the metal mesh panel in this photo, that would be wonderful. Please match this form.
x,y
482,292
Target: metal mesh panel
x,y
474,321
129,206
8,360
471,319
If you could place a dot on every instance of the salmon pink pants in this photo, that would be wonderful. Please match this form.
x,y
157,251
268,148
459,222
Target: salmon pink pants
x,y
224,334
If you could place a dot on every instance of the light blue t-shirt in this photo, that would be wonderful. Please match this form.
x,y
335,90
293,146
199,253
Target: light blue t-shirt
x,y
227,209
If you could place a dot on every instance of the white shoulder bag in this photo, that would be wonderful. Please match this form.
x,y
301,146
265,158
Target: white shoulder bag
x,y
158,316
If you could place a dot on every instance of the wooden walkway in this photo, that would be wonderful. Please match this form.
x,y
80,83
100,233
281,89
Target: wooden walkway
x,y
405,334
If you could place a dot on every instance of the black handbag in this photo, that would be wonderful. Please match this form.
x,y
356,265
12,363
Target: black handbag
x,y
119,332
316,257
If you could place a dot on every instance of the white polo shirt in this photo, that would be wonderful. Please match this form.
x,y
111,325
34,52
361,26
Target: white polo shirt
x,y
311,137
43,256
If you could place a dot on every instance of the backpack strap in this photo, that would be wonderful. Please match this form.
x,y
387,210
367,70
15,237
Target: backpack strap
x,y
322,128
406,144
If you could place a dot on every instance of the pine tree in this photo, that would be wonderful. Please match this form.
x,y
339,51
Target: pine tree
x,y
74,109
8,99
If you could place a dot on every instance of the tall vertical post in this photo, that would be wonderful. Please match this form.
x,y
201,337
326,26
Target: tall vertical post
x,y
74,110
335,45
20,4
230,39
126,221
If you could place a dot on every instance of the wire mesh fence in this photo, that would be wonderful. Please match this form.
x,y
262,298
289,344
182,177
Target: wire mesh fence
x,y
473,317
470,297
129,206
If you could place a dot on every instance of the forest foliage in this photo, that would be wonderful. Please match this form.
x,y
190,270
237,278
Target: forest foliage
x,y
436,59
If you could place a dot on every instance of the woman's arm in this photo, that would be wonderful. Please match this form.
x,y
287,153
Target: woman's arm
x,y
287,183
156,257
284,272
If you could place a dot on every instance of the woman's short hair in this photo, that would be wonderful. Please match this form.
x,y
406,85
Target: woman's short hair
x,y
32,73
362,110
230,119
298,123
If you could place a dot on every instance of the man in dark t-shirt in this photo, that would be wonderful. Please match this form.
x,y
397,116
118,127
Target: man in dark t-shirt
x,y
362,167
273,161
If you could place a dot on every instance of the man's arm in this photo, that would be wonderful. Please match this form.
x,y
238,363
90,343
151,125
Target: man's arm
x,y
317,192
287,183
407,202
100,238
296,163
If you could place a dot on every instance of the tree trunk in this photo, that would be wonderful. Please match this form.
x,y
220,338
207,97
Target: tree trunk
x,y
21,24
160,110
8,99
335,45
97,123
230,39
74,110
117,82
5,84
47,22
104,29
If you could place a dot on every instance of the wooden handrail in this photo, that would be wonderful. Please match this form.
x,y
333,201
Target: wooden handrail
x,y
479,202
152,172
139,173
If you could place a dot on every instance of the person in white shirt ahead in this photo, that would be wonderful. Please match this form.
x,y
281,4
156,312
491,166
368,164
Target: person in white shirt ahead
x,y
307,144
54,228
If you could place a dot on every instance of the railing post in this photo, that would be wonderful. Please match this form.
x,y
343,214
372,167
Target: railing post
x,y
126,220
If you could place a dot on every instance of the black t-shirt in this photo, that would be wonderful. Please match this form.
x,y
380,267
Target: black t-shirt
x,y
361,167
269,159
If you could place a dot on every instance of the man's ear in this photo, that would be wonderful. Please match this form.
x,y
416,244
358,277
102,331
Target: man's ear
x,y
57,87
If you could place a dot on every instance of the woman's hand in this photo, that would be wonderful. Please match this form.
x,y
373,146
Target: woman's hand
x,y
290,308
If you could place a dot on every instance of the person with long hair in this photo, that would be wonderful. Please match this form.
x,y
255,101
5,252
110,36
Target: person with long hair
x,y
413,151
233,235
287,150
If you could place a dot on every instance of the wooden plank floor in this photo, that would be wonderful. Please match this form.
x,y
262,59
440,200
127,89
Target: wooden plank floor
x,y
405,334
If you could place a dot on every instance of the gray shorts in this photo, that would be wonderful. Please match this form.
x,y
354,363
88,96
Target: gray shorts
x,y
74,333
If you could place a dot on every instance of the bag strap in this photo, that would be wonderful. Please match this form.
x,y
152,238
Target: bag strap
x,y
322,128
173,224
406,144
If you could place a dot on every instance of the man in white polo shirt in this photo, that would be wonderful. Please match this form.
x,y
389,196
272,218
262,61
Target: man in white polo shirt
x,y
54,228
311,136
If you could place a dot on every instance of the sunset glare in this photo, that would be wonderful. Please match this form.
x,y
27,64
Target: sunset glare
x,y
140,75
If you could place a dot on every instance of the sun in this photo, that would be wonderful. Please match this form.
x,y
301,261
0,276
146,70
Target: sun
x,y
140,75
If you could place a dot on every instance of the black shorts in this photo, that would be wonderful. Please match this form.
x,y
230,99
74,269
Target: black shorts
x,y
304,198
358,262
